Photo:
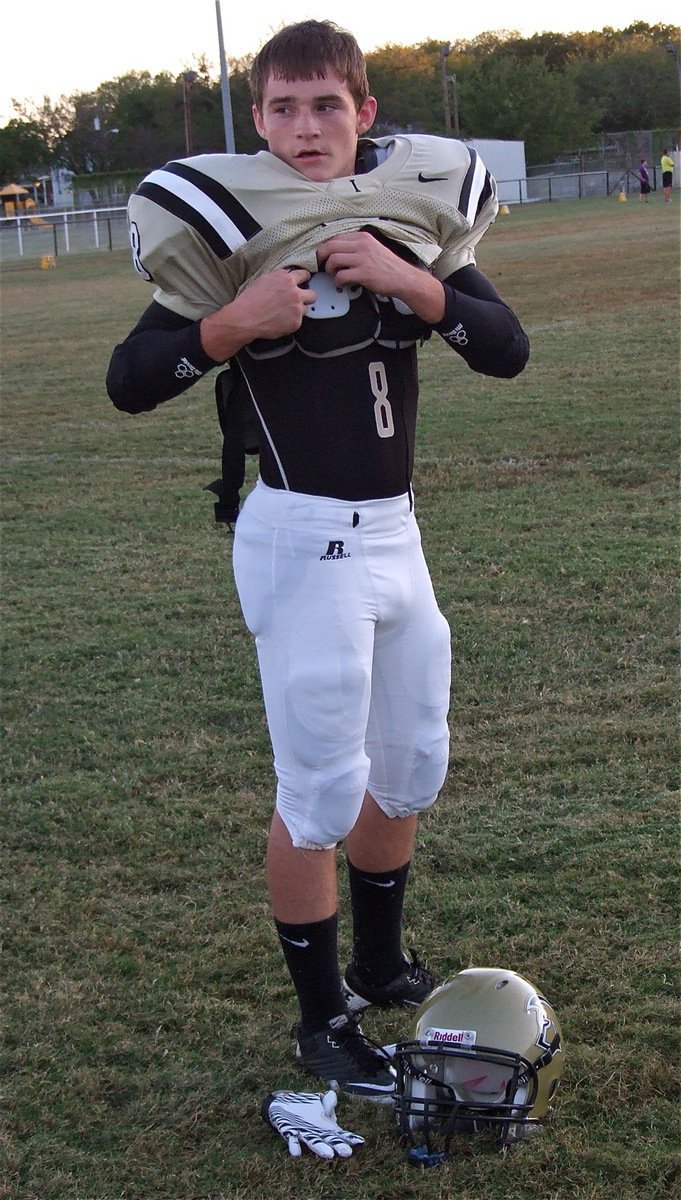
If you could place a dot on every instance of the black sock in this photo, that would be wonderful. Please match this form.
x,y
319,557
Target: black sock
x,y
311,953
377,902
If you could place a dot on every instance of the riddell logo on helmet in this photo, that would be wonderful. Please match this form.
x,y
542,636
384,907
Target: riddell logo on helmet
x,y
450,1037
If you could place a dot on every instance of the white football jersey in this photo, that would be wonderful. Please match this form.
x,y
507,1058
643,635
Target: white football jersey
x,y
201,228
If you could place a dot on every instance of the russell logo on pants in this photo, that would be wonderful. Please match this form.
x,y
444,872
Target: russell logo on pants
x,y
334,552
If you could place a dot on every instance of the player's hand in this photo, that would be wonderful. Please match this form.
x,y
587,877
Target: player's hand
x,y
359,258
270,307
275,304
309,1119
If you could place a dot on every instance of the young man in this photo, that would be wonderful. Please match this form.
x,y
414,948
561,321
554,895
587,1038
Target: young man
x,y
667,166
315,267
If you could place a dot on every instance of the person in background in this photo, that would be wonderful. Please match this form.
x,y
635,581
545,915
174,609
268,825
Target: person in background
x,y
667,165
645,180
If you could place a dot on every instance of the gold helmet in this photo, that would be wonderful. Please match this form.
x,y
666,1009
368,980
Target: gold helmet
x,y
486,1056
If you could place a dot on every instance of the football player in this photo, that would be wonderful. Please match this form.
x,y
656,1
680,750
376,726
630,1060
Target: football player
x,y
314,269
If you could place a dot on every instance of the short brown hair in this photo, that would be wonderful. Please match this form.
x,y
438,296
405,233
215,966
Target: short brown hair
x,y
305,51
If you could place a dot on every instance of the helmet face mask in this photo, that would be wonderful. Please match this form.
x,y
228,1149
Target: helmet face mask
x,y
486,1058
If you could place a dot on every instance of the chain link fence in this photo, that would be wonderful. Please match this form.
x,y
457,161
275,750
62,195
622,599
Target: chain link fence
x,y
605,169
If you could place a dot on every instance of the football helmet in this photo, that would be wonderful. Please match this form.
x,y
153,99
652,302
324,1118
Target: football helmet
x,y
486,1057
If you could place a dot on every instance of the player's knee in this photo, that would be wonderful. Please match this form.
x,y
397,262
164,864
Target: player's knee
x,y
327,811
418,785
318,831
430,769
430,772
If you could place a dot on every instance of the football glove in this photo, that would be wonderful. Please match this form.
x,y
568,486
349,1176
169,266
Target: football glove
x,y
309,1119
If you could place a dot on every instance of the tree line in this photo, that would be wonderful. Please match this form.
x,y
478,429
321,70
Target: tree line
x,y
556,92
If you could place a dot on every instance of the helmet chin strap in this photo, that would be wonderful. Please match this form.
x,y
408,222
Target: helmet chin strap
x,y
546,1058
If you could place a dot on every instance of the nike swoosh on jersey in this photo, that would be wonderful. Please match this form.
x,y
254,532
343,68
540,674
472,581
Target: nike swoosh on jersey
x,y
432,178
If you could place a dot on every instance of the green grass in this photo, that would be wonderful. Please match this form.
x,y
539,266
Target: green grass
x,y
146,1011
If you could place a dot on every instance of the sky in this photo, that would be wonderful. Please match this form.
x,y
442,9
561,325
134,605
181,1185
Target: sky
x,y
58,47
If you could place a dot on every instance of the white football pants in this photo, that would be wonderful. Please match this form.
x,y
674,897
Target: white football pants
x,y
354,656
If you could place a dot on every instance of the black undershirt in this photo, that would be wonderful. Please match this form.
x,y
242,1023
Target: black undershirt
x,y
341,425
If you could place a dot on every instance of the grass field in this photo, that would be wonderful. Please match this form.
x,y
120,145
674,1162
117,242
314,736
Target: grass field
x,y
146,1011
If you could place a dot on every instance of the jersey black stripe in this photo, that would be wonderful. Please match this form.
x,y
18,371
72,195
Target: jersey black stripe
x,y
185,212
245,223
485,193
465,193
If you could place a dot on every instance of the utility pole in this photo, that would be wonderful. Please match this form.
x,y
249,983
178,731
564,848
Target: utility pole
x,y
189,78
444,51
674,51
224,87
455,97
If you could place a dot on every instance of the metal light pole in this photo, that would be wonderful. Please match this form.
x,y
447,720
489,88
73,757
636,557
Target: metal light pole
x,y
444,51
224,87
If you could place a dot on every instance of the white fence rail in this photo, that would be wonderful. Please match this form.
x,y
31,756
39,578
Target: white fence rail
x,y
48,235
43,234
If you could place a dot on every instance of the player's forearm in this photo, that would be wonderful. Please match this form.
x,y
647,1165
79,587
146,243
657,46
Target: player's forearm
x,y
481,328
160,358
424,294
225,332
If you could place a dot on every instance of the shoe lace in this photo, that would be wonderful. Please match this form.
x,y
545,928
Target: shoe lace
x,y
417,972
369,1055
